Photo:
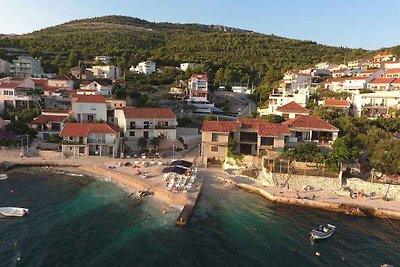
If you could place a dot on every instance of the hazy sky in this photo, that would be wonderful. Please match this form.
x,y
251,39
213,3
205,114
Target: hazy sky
x,y
352,23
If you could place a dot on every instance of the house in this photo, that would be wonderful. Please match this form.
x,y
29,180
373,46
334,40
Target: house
x,y
26,66
291,110
198,86
88,108
57,98
395,84
178,92
104,59
100,86
17,93
376,104
109,72
355,83
50,122
392,73
90,139
5,67
392,65
145,67
342,105
40,84
334,84
383,57
380,84
188,65
375,73
355,64
340,73
61,81
296,80
280,99
251,135
81,73
310,128
148,123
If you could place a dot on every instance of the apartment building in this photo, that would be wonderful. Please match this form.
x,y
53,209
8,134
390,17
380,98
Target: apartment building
x,y
110,72
88,108
26,66
145,67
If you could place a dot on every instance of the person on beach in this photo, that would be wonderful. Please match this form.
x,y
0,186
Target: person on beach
x,y
164,211
149,217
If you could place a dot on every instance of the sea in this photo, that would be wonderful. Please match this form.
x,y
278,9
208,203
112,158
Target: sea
x,y
81,221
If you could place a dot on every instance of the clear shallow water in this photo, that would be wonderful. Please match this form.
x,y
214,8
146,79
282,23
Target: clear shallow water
x,y
79,221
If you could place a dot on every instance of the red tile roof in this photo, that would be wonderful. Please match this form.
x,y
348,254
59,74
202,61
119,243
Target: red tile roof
x,y
273,129
382,80
293,107
200,76
395,70
396,81
79,98
84,129
51,88
356,78
42,119
149,113
336,103
219,126
9,85
40,82
311,122
60,111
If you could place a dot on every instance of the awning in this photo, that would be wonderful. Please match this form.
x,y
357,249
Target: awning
x,y
175,169
182,163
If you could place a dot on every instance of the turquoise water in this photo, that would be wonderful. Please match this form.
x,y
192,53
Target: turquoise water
x,y
78,221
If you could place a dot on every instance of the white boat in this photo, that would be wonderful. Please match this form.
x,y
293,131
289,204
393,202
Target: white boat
x,y
323,231
13,211
3,176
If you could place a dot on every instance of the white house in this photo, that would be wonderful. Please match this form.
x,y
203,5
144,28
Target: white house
x,y
147,123
392,65
88,108
18,92
26,66
296,80
376,104
50,122
100,86
61,81
5,67
188,65
90,139
110,72
355,83
375,73
392,73
198,86
278,100
380,84
145,67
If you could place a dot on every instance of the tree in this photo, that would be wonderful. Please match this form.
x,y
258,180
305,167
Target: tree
x,y
155,142
305,152
386,156
17,127
54,138
273,118
329,114
210,117
142,143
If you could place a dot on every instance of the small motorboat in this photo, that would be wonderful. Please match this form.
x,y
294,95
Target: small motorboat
x,y
3,176
13,211
323,231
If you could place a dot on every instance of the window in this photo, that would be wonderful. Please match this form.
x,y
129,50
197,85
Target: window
x,y
267,141
131,133
132,125
146,135
214,148
214,137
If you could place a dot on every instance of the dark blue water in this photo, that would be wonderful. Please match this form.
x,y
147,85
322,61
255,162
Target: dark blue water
x,y
78,221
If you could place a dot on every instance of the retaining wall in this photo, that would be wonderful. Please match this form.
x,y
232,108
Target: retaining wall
x,y
393,191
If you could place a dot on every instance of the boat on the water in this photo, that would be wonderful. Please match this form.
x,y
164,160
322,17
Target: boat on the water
x,y
3,176
13,211
323,231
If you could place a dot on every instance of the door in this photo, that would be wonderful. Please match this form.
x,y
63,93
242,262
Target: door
x,y
146,134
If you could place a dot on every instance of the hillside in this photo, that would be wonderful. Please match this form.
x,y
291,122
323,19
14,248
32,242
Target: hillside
x,y
248,55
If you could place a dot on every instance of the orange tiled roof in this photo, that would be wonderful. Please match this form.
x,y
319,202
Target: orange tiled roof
x,y
293,107
331,102
151,113
311,122
84,129
42,119
79,98
219,126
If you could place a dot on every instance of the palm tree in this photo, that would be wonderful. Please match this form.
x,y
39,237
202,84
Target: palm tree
x,y
142,143
155,142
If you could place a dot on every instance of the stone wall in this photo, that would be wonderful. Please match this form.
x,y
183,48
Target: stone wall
x,y
299,182
393,191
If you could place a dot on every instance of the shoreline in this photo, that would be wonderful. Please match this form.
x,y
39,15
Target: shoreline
x,y
359,210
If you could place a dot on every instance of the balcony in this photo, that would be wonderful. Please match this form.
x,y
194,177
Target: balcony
x,y
152,127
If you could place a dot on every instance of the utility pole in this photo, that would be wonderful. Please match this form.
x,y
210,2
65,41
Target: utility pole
x,y
27,145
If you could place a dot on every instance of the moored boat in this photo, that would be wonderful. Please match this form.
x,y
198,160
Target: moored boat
x,y
13,211
323,231
3,176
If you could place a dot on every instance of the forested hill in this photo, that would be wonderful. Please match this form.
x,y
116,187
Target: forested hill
x,y
247,55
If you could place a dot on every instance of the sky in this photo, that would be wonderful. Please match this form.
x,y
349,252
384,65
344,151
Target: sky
x,y
351,23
